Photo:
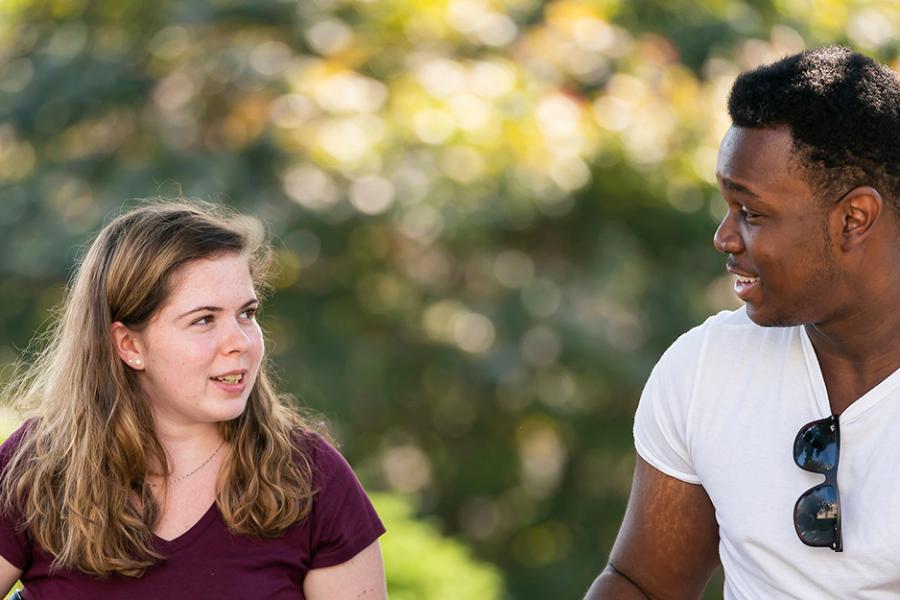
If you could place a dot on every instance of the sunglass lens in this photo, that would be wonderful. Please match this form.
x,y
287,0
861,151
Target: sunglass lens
x,y
816,516
816,446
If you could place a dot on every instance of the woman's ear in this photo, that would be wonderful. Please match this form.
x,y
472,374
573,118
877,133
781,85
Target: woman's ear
x,y
127,345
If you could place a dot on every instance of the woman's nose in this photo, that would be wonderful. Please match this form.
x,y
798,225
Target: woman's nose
x,y
236,339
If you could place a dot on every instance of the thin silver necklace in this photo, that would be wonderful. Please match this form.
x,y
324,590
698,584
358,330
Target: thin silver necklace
x,y
205,462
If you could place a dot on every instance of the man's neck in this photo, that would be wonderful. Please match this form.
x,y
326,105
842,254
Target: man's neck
x,y
857,353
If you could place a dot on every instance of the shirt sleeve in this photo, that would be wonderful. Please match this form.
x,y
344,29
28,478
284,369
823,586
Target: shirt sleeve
x,y
15,545
343,520
661,420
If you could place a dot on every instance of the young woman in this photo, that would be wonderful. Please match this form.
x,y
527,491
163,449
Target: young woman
x,y
159,462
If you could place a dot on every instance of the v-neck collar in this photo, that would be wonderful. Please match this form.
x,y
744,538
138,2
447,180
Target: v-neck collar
x,y
195,531
861,404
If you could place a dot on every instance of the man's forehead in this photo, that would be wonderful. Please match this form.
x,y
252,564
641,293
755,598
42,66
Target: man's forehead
x,y
753,140
735,187
753,155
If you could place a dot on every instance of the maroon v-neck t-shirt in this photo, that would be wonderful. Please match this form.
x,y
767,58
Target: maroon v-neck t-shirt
x,y
208,561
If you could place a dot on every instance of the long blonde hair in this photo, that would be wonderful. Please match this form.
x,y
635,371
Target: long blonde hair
x,y
78,477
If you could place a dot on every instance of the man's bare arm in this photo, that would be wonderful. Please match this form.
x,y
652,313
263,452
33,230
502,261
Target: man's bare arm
x,y
612,584
667,548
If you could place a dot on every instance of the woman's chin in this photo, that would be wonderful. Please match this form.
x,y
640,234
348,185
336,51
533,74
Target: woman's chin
x,y
226,410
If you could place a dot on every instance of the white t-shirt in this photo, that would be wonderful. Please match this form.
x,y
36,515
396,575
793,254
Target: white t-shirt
x,y
722,408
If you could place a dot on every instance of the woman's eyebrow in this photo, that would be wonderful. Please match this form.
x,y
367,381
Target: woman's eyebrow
x,y
217,308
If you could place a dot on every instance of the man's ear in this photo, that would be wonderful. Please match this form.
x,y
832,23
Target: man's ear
x,y
127,345
859,210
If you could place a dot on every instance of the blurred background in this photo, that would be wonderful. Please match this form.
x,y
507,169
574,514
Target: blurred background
x,y
491,217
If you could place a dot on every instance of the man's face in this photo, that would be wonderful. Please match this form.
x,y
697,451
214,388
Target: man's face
x,y
775,232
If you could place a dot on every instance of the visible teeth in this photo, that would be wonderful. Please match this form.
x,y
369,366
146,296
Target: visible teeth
x,y
747,280
229,378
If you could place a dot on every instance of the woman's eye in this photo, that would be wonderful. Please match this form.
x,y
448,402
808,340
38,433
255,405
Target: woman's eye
x,y
204,320
250,313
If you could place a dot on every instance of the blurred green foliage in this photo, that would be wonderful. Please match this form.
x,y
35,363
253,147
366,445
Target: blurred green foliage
x,y
491,216
420,563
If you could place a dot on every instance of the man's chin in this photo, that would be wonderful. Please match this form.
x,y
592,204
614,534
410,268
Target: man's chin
x,y
765,318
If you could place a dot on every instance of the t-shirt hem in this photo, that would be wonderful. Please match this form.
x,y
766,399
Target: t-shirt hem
x,y
14,561
346,552
664,468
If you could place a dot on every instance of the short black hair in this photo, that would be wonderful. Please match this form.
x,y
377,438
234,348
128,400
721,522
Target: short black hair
x,y
843,111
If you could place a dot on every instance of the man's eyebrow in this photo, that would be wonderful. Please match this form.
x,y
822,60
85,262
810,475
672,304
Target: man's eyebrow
x,y
733,186
214,309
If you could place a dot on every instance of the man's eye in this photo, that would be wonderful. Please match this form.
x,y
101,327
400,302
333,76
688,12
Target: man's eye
x,y
749,214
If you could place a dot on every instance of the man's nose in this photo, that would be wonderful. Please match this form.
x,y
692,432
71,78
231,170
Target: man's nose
x,y
727,240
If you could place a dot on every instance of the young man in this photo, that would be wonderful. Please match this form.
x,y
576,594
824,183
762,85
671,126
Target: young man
x,y
743,415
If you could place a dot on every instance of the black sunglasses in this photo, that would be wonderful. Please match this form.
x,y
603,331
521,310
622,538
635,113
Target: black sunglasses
x,y
817,513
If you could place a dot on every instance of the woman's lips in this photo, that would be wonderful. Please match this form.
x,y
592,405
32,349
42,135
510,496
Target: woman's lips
x,y
232,383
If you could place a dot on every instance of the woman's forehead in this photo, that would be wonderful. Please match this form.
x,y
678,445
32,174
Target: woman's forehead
x,y
220,277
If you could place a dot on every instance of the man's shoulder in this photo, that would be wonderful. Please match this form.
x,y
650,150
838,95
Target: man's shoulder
x,y
726,322
728,333
731,318
738,323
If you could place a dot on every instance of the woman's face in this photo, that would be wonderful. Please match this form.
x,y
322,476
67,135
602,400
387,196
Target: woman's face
x,y
200,353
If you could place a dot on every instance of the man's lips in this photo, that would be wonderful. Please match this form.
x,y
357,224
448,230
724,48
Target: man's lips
x,y
744,283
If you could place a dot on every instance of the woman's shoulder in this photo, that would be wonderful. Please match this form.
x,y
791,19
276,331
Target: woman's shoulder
x,y
342,521
322,455
15,439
